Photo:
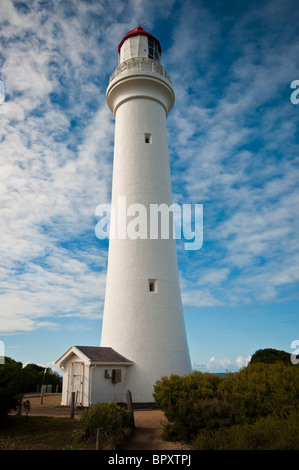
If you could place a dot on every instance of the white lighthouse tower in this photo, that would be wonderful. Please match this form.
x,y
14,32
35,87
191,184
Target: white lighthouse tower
x,y
143,316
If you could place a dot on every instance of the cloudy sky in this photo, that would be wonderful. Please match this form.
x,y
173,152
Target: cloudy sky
x,y
233,143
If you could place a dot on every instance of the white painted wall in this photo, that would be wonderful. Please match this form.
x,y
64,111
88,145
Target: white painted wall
x,y
147,328
95,387
103,389
135,46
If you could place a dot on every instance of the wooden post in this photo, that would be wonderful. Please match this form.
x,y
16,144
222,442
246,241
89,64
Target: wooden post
x,y
19,412
130,405
42,396
100,439
73,405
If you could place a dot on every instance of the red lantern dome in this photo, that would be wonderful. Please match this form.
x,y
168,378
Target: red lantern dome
x,y
139,31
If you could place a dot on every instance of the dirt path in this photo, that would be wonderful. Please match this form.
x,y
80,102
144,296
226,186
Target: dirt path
x,y
148,423
147,433
50,406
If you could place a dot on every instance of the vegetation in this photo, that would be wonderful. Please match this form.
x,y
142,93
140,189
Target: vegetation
x,y
112,418
270,356
255,408
270,433
16,380
42,433
49,433
10,386
34,376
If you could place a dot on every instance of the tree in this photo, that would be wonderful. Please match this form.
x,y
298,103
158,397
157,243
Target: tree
x,y
270,356
11,385
16,380
35,376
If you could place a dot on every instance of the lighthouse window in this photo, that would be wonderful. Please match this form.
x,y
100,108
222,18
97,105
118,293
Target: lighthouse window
x,y
148,138
153,285
153,51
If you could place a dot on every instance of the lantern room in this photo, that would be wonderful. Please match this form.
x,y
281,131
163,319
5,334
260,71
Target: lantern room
x,y
139,43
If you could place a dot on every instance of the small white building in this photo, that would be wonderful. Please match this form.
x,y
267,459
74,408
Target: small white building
x,y
95,374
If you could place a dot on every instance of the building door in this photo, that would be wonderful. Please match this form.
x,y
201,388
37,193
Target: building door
x,y
77,381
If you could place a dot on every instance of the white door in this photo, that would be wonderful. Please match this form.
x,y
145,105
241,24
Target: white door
x,y
77,381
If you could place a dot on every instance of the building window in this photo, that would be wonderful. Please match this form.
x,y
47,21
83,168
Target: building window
x,y
153,50
153,285
113,374
148,138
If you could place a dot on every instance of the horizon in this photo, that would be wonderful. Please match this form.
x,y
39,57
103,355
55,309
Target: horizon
x,y
233,147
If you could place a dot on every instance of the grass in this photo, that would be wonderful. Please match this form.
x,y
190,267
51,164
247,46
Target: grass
x,y
42,433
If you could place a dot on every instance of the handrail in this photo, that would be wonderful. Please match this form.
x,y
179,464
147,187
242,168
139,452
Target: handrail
x,y
140,64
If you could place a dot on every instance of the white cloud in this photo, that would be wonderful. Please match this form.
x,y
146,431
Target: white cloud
x,y
52,177
64,287
233,136
42,180
215,365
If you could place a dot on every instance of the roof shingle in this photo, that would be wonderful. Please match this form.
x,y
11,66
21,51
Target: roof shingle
x,y
102,354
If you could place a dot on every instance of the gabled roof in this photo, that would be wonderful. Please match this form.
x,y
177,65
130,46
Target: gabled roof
x,y
94,355
102,354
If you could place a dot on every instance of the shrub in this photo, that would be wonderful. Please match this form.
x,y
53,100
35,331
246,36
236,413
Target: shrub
x,y
270,433
260,390
202,404
106,416
190,403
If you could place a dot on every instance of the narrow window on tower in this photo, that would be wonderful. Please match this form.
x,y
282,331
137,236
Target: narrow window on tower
x,y
150,48
153,50
153,285
148,138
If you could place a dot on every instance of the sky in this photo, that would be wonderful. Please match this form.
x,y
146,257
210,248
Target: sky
x,y
233,146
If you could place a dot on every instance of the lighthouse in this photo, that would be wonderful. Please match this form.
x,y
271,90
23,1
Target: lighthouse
x,y
143,316
143,331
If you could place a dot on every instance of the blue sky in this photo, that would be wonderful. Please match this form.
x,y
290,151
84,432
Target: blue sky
x,y
233,144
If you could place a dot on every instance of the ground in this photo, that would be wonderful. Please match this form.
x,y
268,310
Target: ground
x,y
148,423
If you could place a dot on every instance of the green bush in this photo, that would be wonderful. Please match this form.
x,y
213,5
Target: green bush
x,y
270,356
106,416
270,433
199,405
192,402
261,390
